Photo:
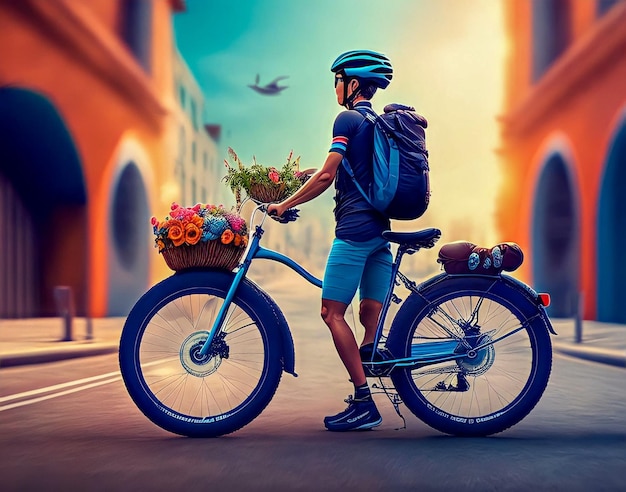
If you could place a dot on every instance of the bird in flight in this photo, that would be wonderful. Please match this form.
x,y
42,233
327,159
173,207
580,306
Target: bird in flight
x,y
270,89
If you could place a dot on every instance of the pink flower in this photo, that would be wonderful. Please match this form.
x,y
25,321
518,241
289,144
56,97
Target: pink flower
x,y
154,221
273,175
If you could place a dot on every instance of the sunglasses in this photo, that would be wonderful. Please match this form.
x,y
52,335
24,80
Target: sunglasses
x,y
337,80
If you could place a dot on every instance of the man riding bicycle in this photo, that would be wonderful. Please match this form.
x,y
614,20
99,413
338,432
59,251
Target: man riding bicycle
x,y
359,257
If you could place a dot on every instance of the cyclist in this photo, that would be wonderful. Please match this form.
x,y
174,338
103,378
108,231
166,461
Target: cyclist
x,y
359,257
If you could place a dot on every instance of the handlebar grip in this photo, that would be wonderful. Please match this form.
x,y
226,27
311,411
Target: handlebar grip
x,y
290,215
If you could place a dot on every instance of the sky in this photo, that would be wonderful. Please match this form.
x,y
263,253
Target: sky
x,y
448,58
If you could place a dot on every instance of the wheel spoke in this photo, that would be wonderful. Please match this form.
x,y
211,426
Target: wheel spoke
x,y
202,388
495,375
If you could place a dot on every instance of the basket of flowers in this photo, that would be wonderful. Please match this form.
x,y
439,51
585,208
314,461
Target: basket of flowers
x,y
203,236
264,184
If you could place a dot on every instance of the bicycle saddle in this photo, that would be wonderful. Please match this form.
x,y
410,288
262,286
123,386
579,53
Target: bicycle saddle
x,y
425,238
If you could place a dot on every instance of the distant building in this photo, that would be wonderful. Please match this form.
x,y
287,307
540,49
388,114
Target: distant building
x,y
86,104
564,151
198,167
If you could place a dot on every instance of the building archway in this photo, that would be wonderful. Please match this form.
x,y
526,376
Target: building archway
x,y
556,237
129,230
42,216
611,236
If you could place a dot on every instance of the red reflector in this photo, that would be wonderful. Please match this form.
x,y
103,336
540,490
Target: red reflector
x,y
544,299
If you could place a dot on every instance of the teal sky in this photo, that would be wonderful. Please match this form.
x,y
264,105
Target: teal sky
x,y
447,56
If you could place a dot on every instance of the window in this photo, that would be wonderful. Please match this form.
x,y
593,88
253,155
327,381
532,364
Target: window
x,y
603,6
194,116
182,95
136,30
182,144
550,33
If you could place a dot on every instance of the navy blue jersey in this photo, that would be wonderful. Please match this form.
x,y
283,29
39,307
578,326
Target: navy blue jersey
x,y
353,138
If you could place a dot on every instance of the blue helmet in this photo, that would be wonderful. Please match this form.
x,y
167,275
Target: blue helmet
x,y
365,65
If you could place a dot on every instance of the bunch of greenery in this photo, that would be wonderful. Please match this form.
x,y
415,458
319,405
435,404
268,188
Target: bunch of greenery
x,y
264,183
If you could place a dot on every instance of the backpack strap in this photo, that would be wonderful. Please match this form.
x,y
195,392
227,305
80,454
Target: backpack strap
x,y
369,116
346,166
368,113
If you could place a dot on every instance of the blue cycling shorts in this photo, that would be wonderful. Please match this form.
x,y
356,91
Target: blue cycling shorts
x,y
352,265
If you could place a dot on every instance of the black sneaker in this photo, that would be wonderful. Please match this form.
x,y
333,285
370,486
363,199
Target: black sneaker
x,y
381,354
360,415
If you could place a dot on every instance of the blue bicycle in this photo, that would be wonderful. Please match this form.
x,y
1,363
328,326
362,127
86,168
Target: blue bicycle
x,y
203,351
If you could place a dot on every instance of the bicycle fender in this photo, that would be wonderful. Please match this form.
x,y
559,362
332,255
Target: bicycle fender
x,y
504,285
288,348
224,279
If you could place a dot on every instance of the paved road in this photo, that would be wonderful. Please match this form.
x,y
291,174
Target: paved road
x,y
76,429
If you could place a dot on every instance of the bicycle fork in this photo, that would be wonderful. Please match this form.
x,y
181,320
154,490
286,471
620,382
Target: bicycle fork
x,y
239,276
255,251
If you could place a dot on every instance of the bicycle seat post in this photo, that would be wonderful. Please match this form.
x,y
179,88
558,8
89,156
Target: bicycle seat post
x,y
395,268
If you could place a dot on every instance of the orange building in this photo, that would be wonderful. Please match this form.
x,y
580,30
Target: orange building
x,y
86,91
564,151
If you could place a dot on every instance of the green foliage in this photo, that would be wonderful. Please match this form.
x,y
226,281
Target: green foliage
x,y
269,181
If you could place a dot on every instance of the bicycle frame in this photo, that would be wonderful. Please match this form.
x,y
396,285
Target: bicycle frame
x,y
427,353
256,251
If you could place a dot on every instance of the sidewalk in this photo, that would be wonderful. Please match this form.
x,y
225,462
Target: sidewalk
x,y
38,340
600,342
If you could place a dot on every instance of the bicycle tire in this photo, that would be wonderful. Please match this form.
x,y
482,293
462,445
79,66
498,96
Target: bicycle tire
x,y
500,385
159,355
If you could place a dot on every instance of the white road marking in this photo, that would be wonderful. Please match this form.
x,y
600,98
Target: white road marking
x,y
56,387
57,390
55,395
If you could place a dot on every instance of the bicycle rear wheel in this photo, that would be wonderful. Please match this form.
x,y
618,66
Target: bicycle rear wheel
x,y
492,387
177,388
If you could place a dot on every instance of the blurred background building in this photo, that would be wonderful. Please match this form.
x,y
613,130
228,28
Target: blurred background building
x,y
198,168
97,132
564,151
102,124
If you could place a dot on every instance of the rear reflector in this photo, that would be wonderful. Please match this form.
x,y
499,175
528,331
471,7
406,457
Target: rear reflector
x,y
544,299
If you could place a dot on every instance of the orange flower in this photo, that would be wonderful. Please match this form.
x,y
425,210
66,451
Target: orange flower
x,y
175,231
227,236
160,245
237,240
245,240
197,221
192,234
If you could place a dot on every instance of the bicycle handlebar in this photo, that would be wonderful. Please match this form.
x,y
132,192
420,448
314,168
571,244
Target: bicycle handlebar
x,y
290,215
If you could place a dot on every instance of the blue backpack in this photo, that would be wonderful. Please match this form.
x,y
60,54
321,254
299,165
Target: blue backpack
x,y
400,186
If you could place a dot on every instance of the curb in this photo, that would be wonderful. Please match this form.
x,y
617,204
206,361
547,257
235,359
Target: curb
x,y
594,354
54,355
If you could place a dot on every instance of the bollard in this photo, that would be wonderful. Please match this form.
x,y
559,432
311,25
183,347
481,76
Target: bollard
x,y
89,328
578,322
65,309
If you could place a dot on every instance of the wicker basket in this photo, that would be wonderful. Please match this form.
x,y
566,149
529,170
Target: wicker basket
x,y
267,193
210,254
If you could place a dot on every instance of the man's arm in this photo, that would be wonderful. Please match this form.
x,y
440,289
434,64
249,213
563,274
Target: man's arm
x,y
315,186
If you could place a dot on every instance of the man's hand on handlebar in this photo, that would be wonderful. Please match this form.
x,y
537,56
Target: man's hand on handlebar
x,y
280,214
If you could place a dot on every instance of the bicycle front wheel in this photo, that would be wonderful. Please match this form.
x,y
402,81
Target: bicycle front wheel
x,y
507,357
174,385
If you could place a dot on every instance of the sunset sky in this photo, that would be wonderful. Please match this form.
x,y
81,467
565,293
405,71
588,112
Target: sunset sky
x,y
447,55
